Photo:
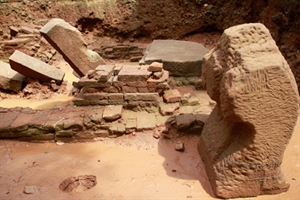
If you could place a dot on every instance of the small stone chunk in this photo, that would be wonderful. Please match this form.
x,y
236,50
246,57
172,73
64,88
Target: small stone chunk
x,y
172,96
157,134
104,72
112,113
13,31
155,67
185,97
9,78
168,109
158,75
193,101
31,189
179,146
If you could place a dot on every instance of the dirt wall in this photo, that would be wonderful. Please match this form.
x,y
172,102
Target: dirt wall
x,y
162,18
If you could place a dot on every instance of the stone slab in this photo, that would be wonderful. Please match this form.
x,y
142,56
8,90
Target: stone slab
x,y
34,68
69,42
133,73
146,121
181,58
9,78
184,121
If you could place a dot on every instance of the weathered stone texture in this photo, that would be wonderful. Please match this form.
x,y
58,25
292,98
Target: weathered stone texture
x,y
69,42
34,68
243,142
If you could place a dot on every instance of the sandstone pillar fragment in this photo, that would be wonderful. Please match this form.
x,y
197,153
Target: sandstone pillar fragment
x,y
243,142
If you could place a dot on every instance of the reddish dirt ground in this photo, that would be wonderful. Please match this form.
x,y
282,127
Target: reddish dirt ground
x,y
139,167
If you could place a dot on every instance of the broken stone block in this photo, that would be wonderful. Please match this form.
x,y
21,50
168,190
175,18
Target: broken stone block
x,y
172,96
155,67
179,146
112,112
156,133
243,142
13,31
9,78
34,68
180,58
104,72
185,97
69,42
184,121
168,109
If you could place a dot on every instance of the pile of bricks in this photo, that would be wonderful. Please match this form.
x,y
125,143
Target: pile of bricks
x,y
121,51
127,85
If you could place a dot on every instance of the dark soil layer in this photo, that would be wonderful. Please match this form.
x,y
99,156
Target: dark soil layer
x,y
160,19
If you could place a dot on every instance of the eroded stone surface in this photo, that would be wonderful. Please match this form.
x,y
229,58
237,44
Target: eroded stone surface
x,y
243,142
69,42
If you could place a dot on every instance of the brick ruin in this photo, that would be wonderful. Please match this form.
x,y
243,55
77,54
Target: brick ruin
x,y
126,85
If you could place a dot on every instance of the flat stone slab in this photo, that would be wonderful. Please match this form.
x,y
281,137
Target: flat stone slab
x,y
180,58
69,42
34,68
9,78
134,73
145,121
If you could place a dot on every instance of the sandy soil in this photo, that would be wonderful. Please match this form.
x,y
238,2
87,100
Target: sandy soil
x,y
129,167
